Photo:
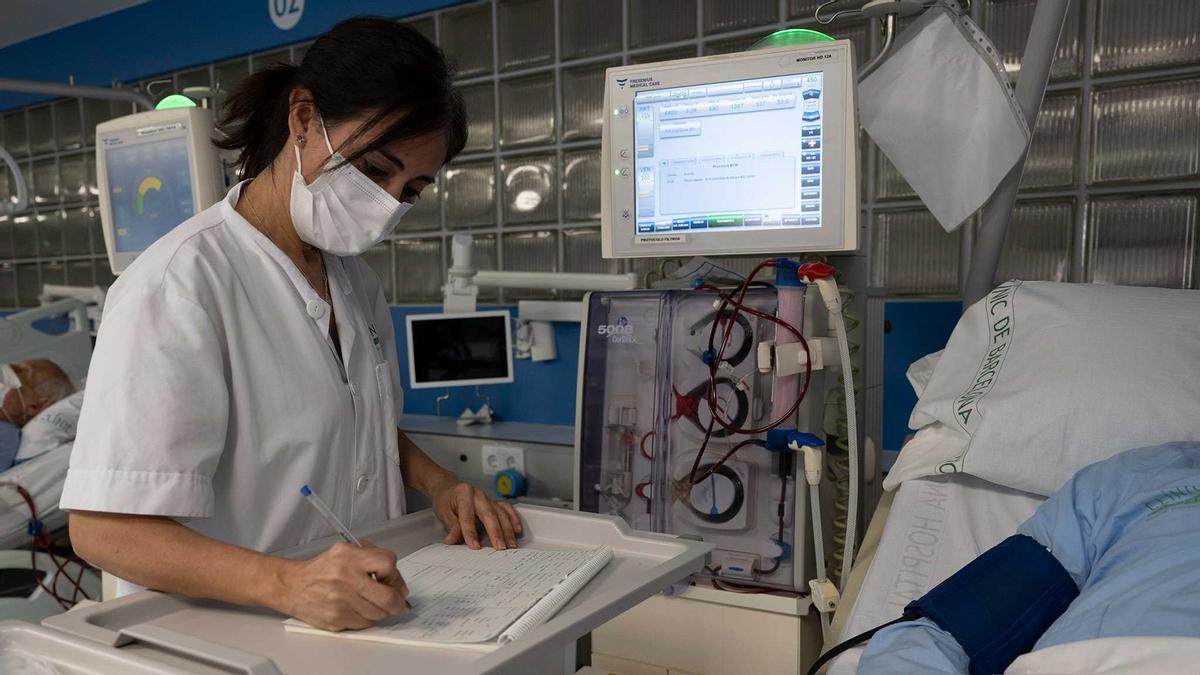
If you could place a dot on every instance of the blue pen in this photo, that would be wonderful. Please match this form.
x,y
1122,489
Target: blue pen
x,y
324,510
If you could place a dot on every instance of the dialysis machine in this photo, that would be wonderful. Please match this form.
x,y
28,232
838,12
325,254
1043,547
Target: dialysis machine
x,y
701,412
657,454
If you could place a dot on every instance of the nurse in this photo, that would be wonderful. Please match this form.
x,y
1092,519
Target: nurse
x,y
250,351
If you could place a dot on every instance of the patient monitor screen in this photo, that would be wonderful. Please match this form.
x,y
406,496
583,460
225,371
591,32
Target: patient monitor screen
x,y
738,155
449,350
150,189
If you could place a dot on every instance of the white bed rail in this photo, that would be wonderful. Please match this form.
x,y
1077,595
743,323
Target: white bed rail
x,y
72,350
91,296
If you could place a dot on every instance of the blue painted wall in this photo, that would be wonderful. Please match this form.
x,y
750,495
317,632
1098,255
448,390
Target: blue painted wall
x,y
541,393
912,330
165,35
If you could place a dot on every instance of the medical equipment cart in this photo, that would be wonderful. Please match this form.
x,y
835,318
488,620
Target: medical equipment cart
x,y
209,637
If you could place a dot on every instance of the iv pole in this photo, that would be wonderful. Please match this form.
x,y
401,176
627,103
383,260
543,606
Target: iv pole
x,y
1048,19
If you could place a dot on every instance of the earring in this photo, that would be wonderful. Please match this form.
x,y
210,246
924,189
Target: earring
x,y
299,139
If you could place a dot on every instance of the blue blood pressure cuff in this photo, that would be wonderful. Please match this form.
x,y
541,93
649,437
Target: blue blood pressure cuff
x,y
1000,604
996,607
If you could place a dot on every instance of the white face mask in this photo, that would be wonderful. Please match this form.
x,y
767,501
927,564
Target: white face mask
x,y
342,212
9,380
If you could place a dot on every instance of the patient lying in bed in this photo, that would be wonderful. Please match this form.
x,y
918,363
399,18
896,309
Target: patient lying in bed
x,y
27,388
1126,530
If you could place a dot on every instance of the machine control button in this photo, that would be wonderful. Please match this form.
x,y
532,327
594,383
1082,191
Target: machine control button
x,y
624,153
315,309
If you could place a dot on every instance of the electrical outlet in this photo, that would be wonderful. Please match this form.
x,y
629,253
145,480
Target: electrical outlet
x,y
497,458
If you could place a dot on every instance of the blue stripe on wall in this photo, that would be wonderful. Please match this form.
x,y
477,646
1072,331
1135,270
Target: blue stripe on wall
x,y
541,393
166,35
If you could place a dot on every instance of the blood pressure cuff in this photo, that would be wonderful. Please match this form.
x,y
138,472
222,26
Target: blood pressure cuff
x,y
1000,604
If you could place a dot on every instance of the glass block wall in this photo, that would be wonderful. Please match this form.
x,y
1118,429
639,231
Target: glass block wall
x,y
1110,188
1109,193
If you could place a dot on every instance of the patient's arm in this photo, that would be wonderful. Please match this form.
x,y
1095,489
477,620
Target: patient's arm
x,y
913,647
1063,524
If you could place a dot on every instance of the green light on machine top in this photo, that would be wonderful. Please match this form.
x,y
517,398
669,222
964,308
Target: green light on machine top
x,y
792,37
175,101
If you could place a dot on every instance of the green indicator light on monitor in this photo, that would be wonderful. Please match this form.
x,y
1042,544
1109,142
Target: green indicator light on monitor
x,y
175,101
792,37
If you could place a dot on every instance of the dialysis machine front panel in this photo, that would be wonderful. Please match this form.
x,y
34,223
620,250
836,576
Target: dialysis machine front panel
x,y
643,417
729,154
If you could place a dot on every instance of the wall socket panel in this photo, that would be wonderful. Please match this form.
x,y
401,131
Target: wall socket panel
x,y
497,458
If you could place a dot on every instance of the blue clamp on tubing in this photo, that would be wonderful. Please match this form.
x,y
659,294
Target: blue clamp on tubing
x,y
34,527
801,438
697,282
709,357
787,550
787,273
777,439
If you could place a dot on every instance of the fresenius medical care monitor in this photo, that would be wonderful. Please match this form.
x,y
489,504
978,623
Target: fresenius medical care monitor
x,y
732,154
155,169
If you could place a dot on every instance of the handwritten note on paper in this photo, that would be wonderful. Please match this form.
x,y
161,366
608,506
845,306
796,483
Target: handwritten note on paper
x,y
464,596
460,595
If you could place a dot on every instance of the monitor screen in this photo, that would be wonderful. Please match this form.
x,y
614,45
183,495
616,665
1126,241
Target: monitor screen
x,y
150,189
459,349
738,155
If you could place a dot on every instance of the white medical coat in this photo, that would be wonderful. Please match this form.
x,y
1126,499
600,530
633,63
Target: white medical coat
x,y
215,393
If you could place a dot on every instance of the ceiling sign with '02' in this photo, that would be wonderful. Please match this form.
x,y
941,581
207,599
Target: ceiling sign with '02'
x,y
285,14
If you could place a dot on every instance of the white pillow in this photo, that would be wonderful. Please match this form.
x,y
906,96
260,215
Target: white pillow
x,y
921,370
1040,379
52,427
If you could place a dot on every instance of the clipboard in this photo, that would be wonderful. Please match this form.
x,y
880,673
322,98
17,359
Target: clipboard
x,y
211,635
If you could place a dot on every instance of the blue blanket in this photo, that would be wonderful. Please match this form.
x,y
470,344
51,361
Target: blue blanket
x,y
1127,529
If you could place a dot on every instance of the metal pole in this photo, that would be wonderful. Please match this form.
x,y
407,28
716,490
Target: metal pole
x,y
889,38
570,281
1048,19
77,91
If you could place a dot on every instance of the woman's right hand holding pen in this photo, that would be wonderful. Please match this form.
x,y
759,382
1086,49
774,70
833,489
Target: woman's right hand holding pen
x,y
334,591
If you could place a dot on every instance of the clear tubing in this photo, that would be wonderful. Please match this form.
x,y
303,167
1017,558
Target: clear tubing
x,y
814,498
852,432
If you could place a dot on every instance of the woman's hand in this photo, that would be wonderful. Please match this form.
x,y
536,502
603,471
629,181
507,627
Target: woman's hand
x,y
334,590
458,504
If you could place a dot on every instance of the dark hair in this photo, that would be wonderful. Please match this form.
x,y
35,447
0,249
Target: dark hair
x,y
362,65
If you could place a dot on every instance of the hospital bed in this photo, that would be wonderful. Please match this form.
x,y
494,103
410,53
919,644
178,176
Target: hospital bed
x,y
22,337
61,331
921,533
929,526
